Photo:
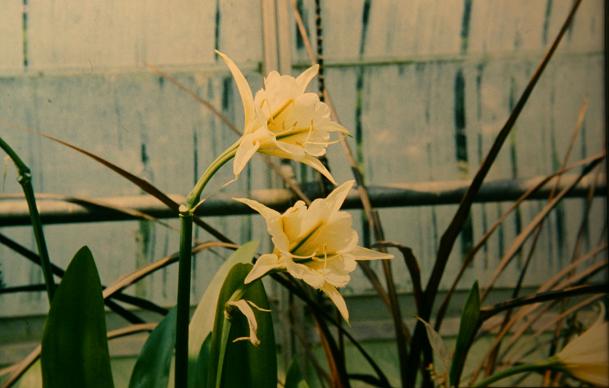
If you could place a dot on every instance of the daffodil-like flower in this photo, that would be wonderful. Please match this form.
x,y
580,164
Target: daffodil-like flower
x,y
283,120
587,356
316,244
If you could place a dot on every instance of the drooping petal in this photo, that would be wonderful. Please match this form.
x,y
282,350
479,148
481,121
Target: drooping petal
x,y
264,264
361,253
319,166
306,76
247,311
243,87
337,299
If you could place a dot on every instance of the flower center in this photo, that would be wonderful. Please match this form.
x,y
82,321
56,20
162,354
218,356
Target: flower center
x,y
275,116
298,244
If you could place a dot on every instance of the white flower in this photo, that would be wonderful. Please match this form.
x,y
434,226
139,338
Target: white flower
x,y
315,244
245,307
283,120
587,356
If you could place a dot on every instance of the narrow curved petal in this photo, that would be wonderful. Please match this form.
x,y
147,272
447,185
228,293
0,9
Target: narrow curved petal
x,y
319,166
247,149
339,194
306,76
332,126
263,210
361,253
264,264
247,311
242,86
274,224
337,299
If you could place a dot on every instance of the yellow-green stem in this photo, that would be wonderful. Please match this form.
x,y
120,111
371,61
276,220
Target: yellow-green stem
x,y
195,193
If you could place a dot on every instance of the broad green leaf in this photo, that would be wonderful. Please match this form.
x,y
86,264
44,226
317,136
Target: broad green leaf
x,y
470,323
74,343
294,378
202,320
152,367
243,365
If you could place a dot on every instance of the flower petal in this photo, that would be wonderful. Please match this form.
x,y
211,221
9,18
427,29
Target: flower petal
x,y
339,194
586,357
264,211
319,166
306,274
242,86
247,149
334,236
361,253
273,219
264,264
247,311
337,299
296,151
306,76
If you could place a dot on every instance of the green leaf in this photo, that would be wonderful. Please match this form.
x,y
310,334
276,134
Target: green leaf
x,y
74,343
203,318
294,378
243,365
470,323
200,373
154,362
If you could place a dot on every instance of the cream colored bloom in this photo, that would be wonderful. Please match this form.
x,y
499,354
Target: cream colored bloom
x,y
316,244
283,120
587,356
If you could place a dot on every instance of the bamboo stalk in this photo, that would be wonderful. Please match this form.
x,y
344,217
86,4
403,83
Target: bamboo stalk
x,y
25,180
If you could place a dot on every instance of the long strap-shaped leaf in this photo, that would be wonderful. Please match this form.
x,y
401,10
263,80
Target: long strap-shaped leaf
x,y
141,183
74,344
